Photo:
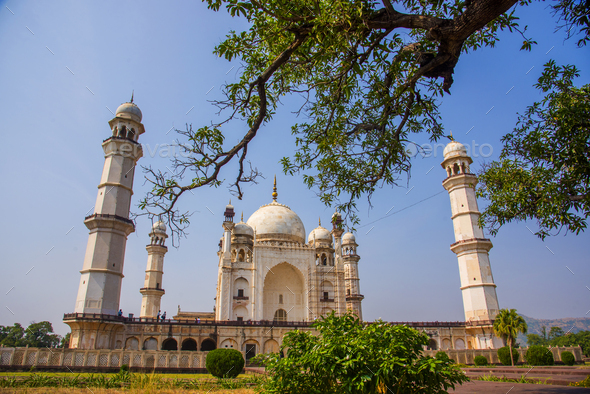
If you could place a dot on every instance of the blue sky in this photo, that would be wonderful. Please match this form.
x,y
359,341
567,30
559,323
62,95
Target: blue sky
x,y
65,65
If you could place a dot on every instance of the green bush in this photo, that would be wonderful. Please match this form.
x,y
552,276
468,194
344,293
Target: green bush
x,y
124,369
480,360
539,355
568,358
443,356
224,363
353,357
504,355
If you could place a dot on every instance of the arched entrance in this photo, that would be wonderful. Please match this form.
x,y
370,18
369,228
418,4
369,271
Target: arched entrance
x,y
432,345
208,345
284,289
280,315
189,344
150,344
170,344
459,344
271,346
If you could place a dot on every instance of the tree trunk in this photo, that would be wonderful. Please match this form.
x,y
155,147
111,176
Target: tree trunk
x,y
510,348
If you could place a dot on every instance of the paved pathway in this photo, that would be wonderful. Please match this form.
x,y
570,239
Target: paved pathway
x,y
481,387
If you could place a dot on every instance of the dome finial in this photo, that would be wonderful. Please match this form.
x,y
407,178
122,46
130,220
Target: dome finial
x,y
451,137
132,92
274,190
242,218
320,221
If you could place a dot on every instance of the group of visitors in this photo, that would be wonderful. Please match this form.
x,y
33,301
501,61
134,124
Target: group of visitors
x,y
158,318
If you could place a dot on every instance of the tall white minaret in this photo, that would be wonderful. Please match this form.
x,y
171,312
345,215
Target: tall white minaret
x,y
109,225
471,247
223,300
337,231
351,275
152,291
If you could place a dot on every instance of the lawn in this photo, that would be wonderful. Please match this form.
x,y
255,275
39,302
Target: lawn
x,y
86,374
51,390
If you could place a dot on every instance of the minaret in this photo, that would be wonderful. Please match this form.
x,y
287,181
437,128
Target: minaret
x,y
152,291
337,231
109,225
351,275
477,283
223,300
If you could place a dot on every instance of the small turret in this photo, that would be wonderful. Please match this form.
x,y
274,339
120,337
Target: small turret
x,y
152,291
351,275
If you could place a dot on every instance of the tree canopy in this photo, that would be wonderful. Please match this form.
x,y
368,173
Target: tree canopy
x,y
35,335
557,337
543,172
507,325
371,74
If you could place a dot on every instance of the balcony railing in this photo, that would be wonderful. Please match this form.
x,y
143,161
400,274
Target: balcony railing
x,y
262,323
241,298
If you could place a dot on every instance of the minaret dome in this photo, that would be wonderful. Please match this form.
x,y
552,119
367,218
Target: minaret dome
x,y
129,111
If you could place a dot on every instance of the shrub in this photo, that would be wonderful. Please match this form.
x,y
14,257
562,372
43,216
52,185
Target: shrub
x,y
349,356
504,355
443,356
124,369
224,363
539,355
440,355
480,360
568,358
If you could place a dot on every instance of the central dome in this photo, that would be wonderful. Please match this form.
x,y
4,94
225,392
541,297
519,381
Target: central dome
x,y
277,222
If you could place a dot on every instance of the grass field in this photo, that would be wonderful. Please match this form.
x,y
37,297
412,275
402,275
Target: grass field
x,y
162,375
48,390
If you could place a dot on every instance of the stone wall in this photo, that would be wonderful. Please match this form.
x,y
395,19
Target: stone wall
x,y
75,359
466,356
146,360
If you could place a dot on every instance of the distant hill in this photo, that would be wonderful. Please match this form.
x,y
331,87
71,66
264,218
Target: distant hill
x,y
571,324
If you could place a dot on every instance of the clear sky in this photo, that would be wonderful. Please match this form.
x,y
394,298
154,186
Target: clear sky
x,y
65,66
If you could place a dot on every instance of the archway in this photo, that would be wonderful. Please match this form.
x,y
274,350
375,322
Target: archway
x,y
459,344
189,344
251,348
208,344
286,280
229,343
432,345
243,285
446,344
132,344
271,346
240,313
326,290
170,344
150,344
280,315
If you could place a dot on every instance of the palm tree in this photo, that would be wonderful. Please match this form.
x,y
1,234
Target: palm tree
x,y
507,325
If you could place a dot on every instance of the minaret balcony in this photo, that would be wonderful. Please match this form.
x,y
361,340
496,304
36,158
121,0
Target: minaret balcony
x,y
355,297
326,300
471,244
152,289
459,180
106,220
114,137
241,298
